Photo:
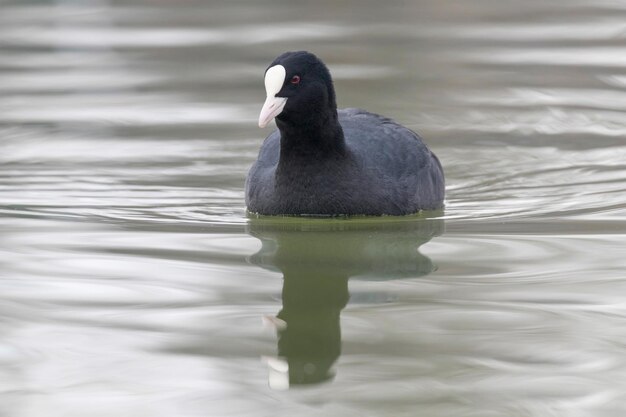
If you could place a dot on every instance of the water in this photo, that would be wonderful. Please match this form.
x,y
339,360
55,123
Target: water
x,y
133,283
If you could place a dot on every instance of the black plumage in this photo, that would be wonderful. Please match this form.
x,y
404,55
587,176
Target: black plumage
x,y
322,161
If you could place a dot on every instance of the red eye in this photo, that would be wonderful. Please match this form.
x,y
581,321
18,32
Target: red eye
x,y
295,79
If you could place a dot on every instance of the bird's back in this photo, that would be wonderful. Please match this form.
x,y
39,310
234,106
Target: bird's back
x,y
396,157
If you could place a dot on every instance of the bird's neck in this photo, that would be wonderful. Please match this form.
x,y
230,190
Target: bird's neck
x,y
318,138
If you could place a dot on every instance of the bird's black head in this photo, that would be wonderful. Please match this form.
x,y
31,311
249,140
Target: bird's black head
x,y
299,90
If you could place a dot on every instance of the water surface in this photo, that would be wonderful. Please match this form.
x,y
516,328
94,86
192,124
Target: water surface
x,y
132,282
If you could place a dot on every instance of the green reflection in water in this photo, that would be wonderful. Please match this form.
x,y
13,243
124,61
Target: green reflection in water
x,y
317,257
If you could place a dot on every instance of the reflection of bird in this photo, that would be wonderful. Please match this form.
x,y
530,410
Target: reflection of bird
x,y
311,340
317,257
327,162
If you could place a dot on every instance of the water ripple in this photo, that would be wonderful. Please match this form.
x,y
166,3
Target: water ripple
x,y
596,56
120,37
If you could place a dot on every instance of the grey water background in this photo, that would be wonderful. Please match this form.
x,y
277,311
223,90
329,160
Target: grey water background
x,y
132,282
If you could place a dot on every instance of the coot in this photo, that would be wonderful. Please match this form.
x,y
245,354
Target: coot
x,y
324,161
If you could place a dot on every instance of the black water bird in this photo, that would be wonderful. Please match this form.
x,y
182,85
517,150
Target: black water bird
x,y
324,161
